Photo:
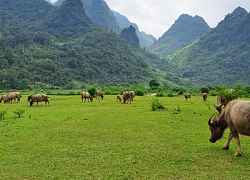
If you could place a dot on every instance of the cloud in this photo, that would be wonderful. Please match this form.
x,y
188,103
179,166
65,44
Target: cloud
x,y
156,16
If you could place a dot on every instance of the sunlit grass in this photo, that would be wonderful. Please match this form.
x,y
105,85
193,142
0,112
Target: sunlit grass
x,y
109,140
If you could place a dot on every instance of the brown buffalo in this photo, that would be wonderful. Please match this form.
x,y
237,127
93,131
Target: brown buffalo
x,y
99,94
132,95
221,101
4,98
236,117
86,95
9,97
14,96
38,98
119,98
30,97
126,97
204,96
187,95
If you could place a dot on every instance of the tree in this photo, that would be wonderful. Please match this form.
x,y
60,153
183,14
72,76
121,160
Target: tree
x,y
153,84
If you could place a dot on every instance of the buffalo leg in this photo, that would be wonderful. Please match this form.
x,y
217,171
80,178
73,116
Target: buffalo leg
x,y
230,137
239,150
237,139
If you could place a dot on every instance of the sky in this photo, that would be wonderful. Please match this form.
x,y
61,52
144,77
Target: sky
x,y
157,16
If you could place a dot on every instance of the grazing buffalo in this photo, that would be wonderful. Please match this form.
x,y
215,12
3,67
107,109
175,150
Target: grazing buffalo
x,y
221,101
13,96
38,98
187,95
4,98
126,97
236,117
99,94
30,97
86,95
119,98
132,95
10,97
204,96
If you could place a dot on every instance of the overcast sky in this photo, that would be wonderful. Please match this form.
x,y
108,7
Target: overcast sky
x,y
156,16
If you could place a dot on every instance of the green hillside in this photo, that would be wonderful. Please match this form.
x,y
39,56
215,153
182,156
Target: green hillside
x,y
61,47
221,56
99,12
184,31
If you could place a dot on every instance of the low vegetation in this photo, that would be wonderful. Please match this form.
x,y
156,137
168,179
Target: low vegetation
x,y
106,139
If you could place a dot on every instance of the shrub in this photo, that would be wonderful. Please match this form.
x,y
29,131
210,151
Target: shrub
x,y
92,91
160,94
139,92
213,93
156,105
2,113
170,94
19,112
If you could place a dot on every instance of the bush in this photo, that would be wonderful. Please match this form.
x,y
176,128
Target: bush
x,y
170,94
2,113
19,112
160,94
92,91
156,105
139,93
213,93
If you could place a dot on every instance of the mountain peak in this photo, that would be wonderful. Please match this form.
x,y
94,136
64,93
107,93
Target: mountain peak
x,y
185,30
239,10
233,20
129,34
99,13
68,20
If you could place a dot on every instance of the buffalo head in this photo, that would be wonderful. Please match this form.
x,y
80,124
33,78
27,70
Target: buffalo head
x,y
216,131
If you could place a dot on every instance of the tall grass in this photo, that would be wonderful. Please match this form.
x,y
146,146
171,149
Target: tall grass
x,y
106,139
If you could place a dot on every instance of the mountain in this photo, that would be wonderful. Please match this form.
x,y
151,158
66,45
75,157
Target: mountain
x,y
146,40
60,47
130,36
184,31
221,56
67,21
99,12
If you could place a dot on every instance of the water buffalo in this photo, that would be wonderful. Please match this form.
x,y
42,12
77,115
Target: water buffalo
x,y
9,97
236,117
4,98
221,101
13,96
204,96
30,97
119,98
38,98
132,95
126,97
99,94
187,95
86,95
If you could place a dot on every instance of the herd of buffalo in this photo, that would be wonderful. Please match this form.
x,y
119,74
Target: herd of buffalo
x,y
10,97
234,114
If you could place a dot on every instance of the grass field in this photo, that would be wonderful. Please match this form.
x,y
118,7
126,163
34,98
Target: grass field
x,y
109,140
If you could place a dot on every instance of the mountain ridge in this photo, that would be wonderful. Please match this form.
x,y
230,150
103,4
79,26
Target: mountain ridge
x,y
146,40
185,30
219,57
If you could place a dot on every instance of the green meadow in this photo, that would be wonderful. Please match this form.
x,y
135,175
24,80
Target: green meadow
x,y
106,139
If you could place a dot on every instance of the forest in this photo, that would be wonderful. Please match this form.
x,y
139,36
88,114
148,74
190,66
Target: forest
x,y
60,47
